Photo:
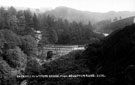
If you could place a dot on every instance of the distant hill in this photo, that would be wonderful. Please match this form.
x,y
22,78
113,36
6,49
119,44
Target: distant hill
x,y
35,10
77,15
85,16
108,27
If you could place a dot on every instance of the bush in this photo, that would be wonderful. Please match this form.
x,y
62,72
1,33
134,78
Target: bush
x,y
33,67
16,58
71,63
29,45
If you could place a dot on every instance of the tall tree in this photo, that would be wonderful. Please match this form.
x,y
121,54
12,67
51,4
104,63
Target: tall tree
x,y
35,22
12,10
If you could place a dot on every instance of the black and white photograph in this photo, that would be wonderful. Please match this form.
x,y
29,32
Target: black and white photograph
x,y
67,42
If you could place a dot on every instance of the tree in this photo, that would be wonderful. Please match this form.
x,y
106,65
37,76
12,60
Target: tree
x,y
35,22
9,39
28,23
5,68
115,19
29,45
16,58
28,18
31,65
12,11
5,72
2,12
13,24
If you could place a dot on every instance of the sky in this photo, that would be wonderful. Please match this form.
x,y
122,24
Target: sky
x,y
84,5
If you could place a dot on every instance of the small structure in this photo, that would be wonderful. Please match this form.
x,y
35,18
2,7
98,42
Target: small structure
x,y
49,55
105,34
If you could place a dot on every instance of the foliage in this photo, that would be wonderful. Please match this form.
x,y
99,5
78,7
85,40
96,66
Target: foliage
x,y
58,31
5,74
54,31
33,67
29,45
18,45
113,57
9,39
72,63
16,58
102,26
5,68
109,27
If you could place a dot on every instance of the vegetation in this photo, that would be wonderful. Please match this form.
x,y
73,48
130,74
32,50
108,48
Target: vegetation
x,y
112,56
72,63
85,16
19,48
58,31
108,26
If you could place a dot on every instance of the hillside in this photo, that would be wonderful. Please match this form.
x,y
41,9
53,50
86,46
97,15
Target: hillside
x,y
108,27
85,16
114,57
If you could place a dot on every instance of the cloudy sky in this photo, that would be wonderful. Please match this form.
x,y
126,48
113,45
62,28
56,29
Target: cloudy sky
x,y
84,5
